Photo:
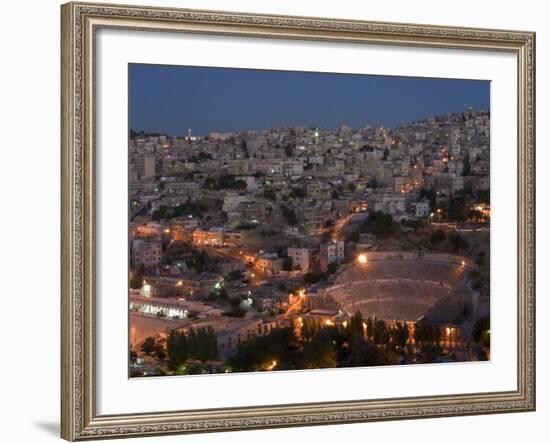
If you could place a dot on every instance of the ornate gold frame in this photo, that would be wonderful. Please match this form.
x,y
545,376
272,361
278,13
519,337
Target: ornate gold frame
x,y
79,23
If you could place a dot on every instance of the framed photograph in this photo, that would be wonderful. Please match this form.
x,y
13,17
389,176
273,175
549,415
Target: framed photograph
x,y
277,221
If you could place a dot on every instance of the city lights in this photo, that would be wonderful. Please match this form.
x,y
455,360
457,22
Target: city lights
x,y
272,365
342,245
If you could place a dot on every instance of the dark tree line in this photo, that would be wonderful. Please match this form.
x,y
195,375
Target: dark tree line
x,y
324,345
199,344
187,208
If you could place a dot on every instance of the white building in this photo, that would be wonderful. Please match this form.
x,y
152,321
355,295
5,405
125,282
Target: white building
x,y
332,252
145,166
300,258
232,201
390,203
146,252
422,208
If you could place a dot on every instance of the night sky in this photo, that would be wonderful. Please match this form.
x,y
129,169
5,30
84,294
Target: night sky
x,y
171,99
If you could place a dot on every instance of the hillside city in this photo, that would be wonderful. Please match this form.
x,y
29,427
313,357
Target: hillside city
x,y
306,248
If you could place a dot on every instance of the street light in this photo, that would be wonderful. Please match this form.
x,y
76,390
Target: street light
x,y
362,258
272,365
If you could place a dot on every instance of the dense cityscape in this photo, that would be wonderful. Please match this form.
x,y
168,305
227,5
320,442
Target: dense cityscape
x,y
304,247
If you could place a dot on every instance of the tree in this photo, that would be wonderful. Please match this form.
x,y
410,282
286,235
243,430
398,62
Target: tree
x,y
414,224
458,241
176,348
136,276
148,345
203,344
466,168
419,333
270,194
319,353
370,328
309,329
159,352
312,277
381,224
437,236
298,192
222,293
356,324
400,334
244,147
289,150
363,353
372,183
332,268
430,195
481,329
253,354
235,302
437,334
457,209
381,335
289,215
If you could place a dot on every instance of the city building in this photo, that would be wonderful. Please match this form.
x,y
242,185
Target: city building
x,y
300,258
332,252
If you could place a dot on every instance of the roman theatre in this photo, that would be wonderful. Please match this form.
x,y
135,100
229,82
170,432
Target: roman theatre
x,y
402,286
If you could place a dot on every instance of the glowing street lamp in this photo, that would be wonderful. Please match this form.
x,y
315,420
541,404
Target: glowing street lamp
x,y
272,365
362,258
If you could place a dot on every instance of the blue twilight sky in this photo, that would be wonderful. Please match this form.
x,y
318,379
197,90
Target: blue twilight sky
x,y
171,99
